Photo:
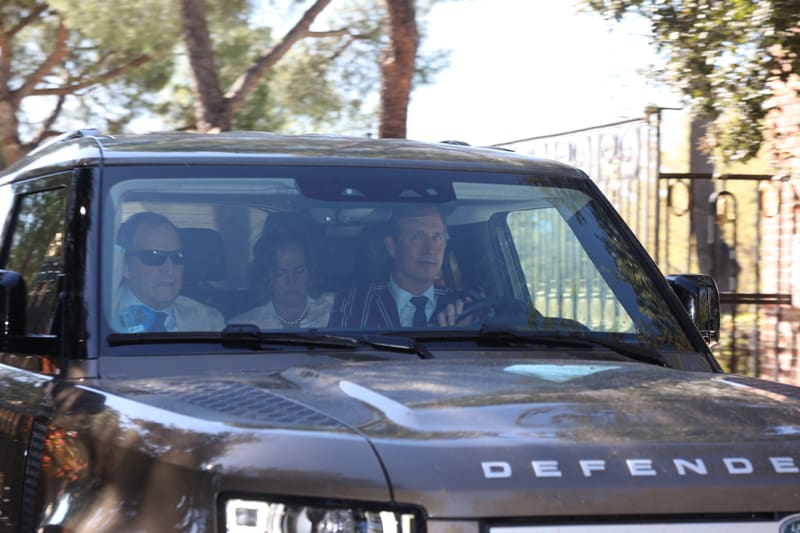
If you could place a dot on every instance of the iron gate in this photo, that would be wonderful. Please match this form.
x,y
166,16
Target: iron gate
x,y
689,222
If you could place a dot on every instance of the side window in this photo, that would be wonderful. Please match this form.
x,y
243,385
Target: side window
x,y
562,279
36,252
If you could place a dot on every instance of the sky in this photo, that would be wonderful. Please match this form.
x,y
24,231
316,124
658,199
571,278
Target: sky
x,y
524,68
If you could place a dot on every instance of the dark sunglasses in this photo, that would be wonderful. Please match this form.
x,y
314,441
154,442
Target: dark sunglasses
x,y
158,257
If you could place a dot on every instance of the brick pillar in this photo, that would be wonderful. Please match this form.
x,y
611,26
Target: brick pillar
x,y
780,230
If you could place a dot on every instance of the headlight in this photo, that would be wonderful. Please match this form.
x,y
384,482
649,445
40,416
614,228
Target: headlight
x,y
257,516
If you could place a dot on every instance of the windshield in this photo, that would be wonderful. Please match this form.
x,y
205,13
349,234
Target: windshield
x,y
376,250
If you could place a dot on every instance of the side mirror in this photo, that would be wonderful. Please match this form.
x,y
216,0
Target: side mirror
x,y
12,303
700,296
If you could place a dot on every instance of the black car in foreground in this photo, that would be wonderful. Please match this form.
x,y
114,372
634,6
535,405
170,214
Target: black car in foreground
x,y
262,362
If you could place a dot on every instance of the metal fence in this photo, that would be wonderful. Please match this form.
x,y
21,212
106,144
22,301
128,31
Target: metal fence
x,y
689,222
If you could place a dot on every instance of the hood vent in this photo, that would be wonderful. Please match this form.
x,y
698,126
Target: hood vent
x,y
242,401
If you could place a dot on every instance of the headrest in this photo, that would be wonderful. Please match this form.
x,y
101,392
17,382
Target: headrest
x,y
205,255
373,262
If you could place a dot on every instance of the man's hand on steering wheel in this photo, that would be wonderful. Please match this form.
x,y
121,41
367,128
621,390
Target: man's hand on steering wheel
x,y
452,313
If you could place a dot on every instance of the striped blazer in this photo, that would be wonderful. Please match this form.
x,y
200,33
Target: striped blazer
x,y
373,307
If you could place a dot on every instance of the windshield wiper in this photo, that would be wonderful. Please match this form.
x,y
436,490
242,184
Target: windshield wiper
x,y
247,335
494,335
250,336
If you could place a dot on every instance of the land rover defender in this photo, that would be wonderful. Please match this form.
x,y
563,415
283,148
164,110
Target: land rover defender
x,y
554,380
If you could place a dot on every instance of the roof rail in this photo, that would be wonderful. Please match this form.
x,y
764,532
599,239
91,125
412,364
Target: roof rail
x,y
66,136
501,148
453,141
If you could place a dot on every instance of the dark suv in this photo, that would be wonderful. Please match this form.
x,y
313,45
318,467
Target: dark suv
x,y
248,332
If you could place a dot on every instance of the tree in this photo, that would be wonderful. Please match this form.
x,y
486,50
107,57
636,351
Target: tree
x,y
215,108
296,89
106,62
54,53
723,57
397,67
365,61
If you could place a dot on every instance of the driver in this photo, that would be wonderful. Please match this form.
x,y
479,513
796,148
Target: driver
x,y
416,242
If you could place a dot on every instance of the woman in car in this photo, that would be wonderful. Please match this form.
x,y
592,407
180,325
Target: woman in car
x,y
284,264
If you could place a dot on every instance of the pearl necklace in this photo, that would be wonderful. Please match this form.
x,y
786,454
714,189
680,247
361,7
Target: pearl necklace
x,y
294,322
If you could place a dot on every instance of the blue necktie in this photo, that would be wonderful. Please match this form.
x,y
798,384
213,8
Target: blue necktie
x,y
420,318
159,321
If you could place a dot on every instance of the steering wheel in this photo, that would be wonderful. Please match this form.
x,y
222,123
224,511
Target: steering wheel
x,y
514,307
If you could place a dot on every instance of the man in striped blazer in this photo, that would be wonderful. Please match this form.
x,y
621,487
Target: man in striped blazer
x,y
416,243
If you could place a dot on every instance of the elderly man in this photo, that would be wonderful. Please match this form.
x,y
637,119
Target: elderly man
x,y
152,279
416,242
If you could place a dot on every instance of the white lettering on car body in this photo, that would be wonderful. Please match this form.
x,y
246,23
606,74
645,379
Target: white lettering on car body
x,y
698,466
546,468
784,465
738,465
496,469
592,465
642,467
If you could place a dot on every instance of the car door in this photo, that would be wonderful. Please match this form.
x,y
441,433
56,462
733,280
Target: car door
x,y
34,240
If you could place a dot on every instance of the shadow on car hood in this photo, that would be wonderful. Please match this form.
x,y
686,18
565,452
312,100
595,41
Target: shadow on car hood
x,y
541,402
506,437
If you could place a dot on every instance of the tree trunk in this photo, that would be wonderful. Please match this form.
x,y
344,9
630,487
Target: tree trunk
x,y
214,108
397,68
211,110
10,148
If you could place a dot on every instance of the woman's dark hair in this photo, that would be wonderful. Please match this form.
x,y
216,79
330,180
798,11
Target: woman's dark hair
x,y
271,242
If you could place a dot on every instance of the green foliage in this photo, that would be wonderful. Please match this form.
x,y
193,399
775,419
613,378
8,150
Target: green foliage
x,y
119,54
722,56
351,67
326,83
32,45
122,27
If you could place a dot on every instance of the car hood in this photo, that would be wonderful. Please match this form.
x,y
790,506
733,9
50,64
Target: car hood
x,y
515,437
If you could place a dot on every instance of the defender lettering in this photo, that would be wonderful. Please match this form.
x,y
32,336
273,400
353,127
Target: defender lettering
x,y
642,467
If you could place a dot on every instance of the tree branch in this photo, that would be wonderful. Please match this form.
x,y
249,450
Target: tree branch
x,y
45,130
105,76
329,33
239,90
5,59
59,52
32,16
352,37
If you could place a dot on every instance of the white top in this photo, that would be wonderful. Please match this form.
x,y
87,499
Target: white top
x,y
265,317
185,314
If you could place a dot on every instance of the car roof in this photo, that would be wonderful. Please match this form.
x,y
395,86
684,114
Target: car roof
x,y
90,148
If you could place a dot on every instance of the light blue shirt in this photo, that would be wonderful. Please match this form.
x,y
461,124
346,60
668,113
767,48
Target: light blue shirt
x,y
406,309
127,300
